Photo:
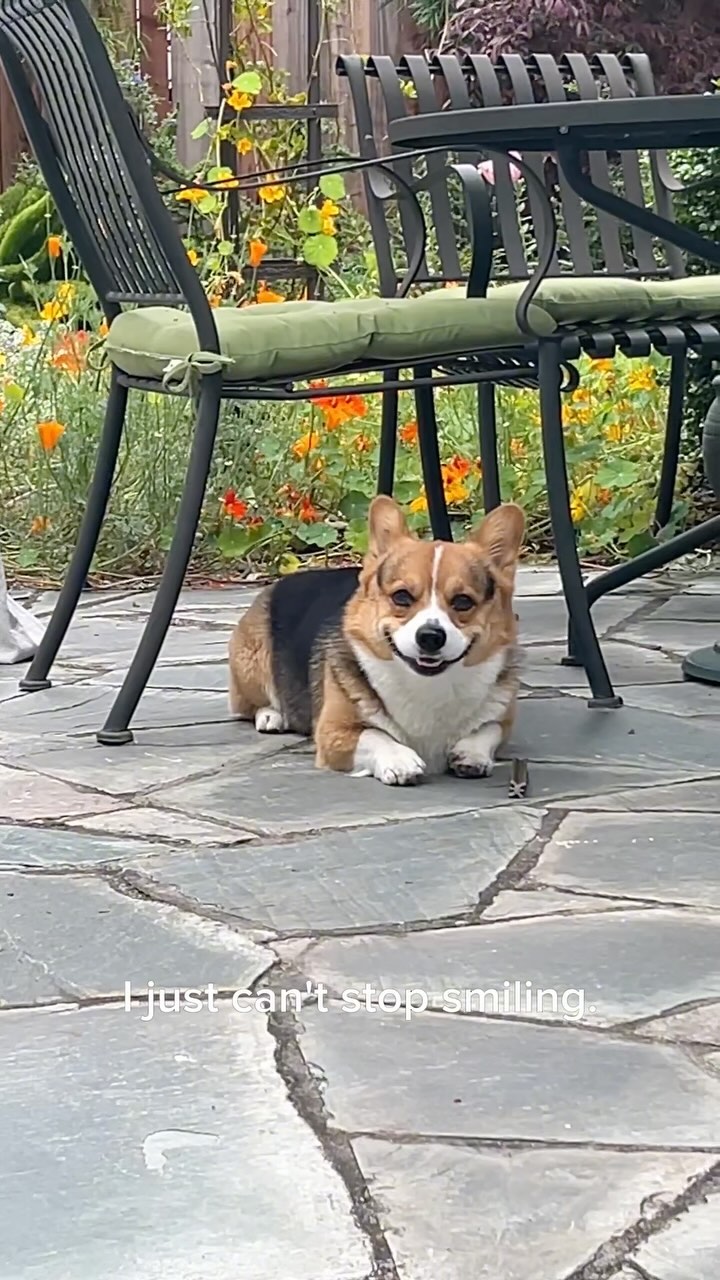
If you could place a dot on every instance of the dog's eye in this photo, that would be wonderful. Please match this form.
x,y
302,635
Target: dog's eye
x,y
462,604
402,598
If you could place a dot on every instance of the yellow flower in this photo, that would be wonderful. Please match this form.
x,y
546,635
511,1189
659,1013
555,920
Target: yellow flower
x,y
49,434
328,226
239,101
580,395
243,146
52,311
614,432
191,194
419,504
328,209
272,193
66,291
580,499
305,444
602,366
29,337
193,257
642,379
455,492
103,328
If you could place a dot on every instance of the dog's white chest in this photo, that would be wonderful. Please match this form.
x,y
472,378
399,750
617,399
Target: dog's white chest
x,y
432,713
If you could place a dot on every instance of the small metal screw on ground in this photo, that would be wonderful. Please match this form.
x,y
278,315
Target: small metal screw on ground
x,y
704,664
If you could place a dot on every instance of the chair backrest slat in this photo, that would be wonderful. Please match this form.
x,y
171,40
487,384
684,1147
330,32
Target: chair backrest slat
x,y
427,99
609,64
574,212
609,227
490,95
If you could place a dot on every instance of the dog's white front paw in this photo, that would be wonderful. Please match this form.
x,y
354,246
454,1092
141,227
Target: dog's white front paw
x,y
268,720
391,762
474,756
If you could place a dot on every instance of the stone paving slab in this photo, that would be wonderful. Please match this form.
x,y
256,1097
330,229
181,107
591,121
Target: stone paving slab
x,y
415,871
687,699
627,965
518,904
168,1151
688,1248
145,822
89,941
82,708
535,1215
58,848
26,796
628,665
441,1075
669,857
692,797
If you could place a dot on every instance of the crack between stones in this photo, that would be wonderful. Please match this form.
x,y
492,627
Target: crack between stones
x,y
519,866
496,1142
634,900
611,1255
305,1095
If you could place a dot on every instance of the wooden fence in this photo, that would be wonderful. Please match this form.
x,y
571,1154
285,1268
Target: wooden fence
x,y
184,72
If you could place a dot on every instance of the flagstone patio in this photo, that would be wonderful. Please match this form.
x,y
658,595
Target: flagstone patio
x,y
572,1141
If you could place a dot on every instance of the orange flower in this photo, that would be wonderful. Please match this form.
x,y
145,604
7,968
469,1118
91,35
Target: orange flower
x,y
268,295
517,449
603,496
258,249
307,512
338,409
362,444
193,257
215,299
457,468
303,446
409,433
40,524
70,353
103,328
233,506
243,146
254,522
50,433
54,246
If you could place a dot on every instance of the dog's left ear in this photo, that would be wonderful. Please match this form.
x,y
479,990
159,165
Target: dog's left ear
x,y
386,524
500,536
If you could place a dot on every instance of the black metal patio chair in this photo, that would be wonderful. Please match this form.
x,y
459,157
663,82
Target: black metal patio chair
x,y
164,337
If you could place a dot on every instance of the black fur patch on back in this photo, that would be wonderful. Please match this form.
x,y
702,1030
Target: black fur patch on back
x,y
305,608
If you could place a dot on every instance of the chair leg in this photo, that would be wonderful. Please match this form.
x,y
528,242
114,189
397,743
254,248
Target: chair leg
x,y
581,623
115,731
673,433
76,576
430,459
388,438
487,430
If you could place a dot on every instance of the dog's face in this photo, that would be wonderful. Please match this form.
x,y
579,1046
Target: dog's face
x,y
431,605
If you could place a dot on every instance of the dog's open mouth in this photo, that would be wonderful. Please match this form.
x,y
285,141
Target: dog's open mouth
x,y
426,665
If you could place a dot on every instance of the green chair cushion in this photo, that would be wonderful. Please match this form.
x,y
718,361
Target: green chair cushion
x,y
301,339
580,300
691,298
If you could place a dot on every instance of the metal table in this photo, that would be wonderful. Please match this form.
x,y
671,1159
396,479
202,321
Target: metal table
x,y
568,130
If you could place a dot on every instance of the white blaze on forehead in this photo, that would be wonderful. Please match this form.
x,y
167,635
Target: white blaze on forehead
x,y
432,615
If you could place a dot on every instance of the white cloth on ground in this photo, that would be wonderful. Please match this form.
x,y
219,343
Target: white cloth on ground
x,y
20,631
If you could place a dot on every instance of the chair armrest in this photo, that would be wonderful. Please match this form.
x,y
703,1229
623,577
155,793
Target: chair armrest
x,y
477,203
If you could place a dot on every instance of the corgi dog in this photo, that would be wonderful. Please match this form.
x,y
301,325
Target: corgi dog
x,y
404,667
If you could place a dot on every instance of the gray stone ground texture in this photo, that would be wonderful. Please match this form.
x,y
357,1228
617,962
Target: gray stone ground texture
x,y
303,1129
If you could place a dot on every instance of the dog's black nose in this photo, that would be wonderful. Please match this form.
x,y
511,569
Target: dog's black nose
x,y
430,637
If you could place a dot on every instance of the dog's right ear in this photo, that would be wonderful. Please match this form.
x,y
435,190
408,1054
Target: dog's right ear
x,y
386,525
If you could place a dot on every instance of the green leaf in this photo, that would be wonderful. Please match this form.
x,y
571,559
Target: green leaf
x,y
620,474
28,557
226,247
208,204
332,186
320,251
201,129
356,535
354,505
310,221
406,490
248,82
234,542
640,542
318,535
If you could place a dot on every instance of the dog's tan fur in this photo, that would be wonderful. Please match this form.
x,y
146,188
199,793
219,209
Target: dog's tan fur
x,y
345,701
